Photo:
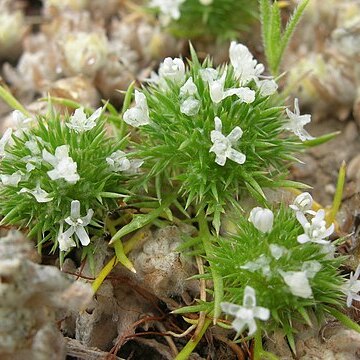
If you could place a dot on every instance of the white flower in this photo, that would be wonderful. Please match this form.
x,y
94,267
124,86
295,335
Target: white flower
x,y
217,92
315,231
64,166
11,180
267,87
138,115
262,219
188,89
246,314
40,195
223,144
21,122
277,251
171,70
33,146
262,264
298,283
352,287
208,74
77,227
303,203
80,123
190,106
297,122
65,241
206,2
311,268
170,9
119,162
245,66
4,140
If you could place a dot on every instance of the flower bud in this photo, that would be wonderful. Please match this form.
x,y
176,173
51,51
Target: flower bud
x,y
302,203
262,219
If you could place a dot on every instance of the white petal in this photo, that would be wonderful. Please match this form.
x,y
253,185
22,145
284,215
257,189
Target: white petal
x,y
82,235
51,159
220,159
189,88
86,219
238,325
229,308
236,156
249,297
190,107
11,180
235,134
96,114
298,283
301,218
252,327
261,313
218,124
75,209
302,239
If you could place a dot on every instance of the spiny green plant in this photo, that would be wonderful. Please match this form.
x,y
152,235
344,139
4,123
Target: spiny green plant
x,y
280,268
212,135
276,40
60,177
222,19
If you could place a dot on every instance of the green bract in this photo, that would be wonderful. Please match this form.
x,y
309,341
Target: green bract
x,y
293,280
60,174
212,135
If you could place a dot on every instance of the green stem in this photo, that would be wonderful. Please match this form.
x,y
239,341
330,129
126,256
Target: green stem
x,y
338,194
6,95
191,345
258,349
205,236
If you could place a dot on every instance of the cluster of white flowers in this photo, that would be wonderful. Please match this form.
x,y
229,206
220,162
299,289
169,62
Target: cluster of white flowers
x,y
118,162
80,123
173,71
64,168
315,230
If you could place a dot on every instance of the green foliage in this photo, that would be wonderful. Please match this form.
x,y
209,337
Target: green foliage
x,y
176,147
97,187
232,253
223,19
274,39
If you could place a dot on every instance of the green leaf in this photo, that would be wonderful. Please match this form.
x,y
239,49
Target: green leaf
x,y
321,139
140,221
343,319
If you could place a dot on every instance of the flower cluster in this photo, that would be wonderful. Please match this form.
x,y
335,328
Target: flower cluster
x,y
267,257
59,178
213,133
218,18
